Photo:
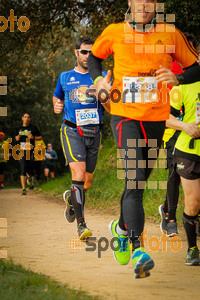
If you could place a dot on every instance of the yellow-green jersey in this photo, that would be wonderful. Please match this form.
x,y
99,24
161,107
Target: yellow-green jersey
x,y
38,153
189,97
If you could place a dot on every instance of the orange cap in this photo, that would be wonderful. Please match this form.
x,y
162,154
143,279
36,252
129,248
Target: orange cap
x,y
2,133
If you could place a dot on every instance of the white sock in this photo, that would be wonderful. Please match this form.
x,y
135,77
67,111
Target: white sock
x,y
121,231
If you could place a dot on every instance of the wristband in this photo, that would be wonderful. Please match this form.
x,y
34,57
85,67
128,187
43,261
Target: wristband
x,y
97,79
180,78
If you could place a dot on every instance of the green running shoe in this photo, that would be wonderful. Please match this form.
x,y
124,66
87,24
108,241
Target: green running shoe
x,y
192,257
122,251
142,263
83,231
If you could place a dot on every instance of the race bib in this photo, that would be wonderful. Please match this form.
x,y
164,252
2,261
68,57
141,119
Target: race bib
x,y
47,155
198,112
139,90
87,116
26,146
23,145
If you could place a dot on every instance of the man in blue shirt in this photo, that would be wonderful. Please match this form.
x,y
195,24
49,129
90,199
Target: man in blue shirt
x,y
50,158
80,131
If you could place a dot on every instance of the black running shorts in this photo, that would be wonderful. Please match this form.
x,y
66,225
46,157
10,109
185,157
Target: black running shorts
x,y
187,168
27,165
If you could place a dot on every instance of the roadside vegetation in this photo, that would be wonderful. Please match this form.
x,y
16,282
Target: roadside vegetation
x,y
18,283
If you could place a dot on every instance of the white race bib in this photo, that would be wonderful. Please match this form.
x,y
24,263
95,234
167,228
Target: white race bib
x,y
23,145
87,116
47,155
139,90
198,112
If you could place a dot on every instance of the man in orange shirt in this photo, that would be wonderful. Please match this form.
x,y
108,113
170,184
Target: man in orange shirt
x,y
143,50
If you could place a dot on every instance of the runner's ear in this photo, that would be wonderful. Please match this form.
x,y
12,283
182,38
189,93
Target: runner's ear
x,y
76,52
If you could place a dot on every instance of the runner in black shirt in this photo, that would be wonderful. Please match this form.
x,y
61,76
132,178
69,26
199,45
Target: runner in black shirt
x,y
25,137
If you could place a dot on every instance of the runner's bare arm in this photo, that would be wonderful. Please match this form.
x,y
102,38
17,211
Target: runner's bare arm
x,y
58,105
17,137
192,129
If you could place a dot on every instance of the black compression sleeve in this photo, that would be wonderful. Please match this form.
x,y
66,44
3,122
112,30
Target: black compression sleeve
x,y
175,112
192,74
94,66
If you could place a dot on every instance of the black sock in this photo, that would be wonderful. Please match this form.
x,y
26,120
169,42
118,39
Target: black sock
x,y
165,206
83,204
77,199
190,225
172,214
136,244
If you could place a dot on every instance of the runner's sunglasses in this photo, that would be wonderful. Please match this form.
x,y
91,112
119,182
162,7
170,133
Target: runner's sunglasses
x,y
84,52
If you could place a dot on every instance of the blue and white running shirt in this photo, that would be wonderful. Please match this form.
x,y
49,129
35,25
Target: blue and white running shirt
x,y
78,108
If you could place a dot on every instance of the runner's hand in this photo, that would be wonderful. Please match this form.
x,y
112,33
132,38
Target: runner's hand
x,y
30,136
58,107
166,75
104,83
192,129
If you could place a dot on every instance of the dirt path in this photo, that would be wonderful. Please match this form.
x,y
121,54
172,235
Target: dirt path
x,y
39,237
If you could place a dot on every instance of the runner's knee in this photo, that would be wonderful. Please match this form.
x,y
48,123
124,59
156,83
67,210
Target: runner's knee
x,y
78,175
192,205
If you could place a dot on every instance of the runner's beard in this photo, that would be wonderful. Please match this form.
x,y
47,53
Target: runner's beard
x,y
83,65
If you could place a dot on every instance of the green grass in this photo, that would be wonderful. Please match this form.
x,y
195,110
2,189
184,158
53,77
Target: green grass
x,y
18,283
153,198
106,190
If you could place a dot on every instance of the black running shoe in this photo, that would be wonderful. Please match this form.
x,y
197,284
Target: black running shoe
x,y
69,210
24,192
172,229
192,257
83,231
163,223
31,187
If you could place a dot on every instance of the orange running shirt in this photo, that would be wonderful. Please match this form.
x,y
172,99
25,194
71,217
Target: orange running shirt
x,y
137,55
